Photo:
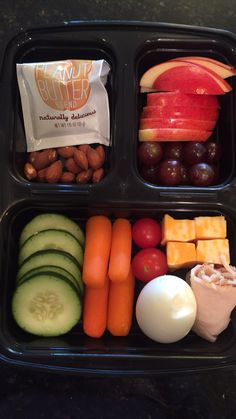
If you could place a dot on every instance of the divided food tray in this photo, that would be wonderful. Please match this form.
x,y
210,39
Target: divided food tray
x,y
130,49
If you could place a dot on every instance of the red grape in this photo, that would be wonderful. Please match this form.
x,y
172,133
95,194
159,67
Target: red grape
x,y
173,151
184,175
201,174
217,175
194,152
150,174
150,153
170,172
213,152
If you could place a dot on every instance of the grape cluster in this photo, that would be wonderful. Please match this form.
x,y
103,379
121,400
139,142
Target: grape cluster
x,y
179,163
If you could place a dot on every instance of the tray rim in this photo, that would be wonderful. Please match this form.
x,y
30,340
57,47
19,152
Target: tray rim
x,y
9,38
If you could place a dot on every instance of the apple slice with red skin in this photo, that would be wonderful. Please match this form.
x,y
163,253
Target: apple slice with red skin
x,y
182,99
183,112
219,68
191,78
172,134
149,77
201,124
147,89
211,60
208,81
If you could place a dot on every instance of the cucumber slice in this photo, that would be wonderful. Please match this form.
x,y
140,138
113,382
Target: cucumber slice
x,y
50,222
52,257
46,304
52,269
51,239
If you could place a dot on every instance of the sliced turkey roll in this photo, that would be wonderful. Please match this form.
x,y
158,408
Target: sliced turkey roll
x,y
214,288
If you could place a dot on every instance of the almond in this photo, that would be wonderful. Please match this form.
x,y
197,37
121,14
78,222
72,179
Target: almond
x,y
81,159
71,166
98,175
67,177
30,172
84,176
84,147
54,172
33,156
42,175
94,159
100,150
66,152
42,159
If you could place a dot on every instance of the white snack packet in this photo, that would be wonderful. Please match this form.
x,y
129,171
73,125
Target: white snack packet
x,y
64,103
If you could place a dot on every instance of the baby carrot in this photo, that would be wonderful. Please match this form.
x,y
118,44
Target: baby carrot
x,y
95,310
121,244
97,250
120,306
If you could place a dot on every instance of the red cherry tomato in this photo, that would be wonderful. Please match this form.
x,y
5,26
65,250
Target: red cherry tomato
x,y
146,232
149,263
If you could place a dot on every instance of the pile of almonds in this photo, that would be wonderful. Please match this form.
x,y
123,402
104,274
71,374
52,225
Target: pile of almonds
x,y
79,164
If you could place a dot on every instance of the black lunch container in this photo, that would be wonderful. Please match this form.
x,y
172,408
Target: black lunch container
x,y
130,49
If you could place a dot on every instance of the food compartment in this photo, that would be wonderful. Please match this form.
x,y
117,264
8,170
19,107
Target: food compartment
x,y
54,51
173,110
132,354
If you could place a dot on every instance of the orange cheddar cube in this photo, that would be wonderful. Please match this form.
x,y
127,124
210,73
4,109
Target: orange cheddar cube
x,y
180,255
209,251
177,230
210,227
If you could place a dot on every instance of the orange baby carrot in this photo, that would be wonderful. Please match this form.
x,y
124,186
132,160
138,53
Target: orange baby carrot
x,y
120,306
121,244
95,310
97,250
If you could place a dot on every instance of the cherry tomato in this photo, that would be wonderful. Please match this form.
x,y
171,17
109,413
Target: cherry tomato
x,y
149,263
146,232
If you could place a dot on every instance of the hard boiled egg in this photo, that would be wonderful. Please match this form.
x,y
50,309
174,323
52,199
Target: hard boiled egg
x,y
166,309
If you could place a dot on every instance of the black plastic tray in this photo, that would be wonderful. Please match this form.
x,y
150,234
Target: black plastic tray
x,y
130,48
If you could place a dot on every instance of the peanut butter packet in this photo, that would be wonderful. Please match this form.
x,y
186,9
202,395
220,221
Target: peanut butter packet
x,y
64,103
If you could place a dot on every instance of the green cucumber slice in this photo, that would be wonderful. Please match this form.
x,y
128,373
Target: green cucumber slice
x,y
52,269
51,239
46,304
55,258
50,222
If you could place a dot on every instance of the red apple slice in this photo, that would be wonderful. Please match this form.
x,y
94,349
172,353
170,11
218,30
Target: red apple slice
x,y
146,89
219,68
191,78
148,123
170,134
182,112
182,99
149,77
211,60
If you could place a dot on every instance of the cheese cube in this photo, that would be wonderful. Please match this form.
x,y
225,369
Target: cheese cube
x,y
209,251
177,230
180,255
210,227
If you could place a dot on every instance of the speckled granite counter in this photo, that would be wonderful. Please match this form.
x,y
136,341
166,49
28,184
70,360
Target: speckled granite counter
x,y
27,394
18,15
22,14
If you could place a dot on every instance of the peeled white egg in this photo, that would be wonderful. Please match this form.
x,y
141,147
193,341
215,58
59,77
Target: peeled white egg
x,y
166,309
